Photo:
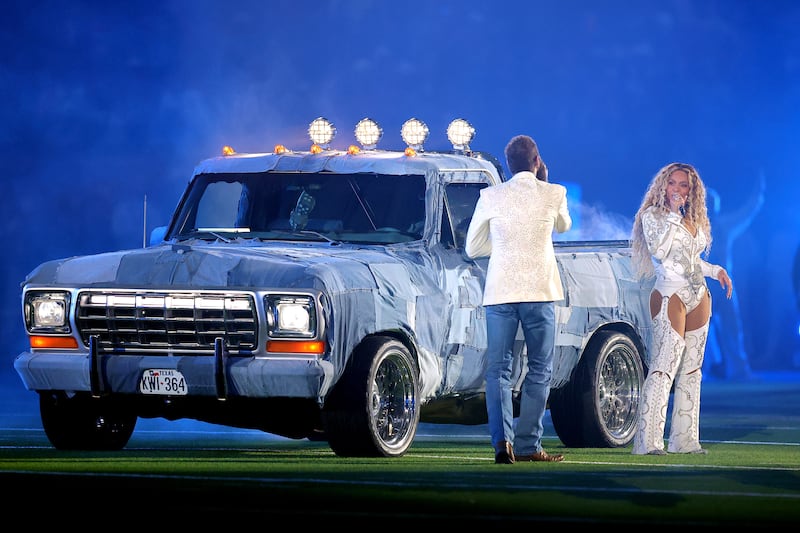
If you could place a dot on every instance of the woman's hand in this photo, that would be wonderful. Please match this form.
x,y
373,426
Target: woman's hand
x,y
677,204
725,280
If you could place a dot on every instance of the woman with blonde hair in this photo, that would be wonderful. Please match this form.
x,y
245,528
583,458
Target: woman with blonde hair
x,y
670,232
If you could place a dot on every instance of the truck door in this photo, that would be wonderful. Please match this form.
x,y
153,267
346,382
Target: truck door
x,y
463,279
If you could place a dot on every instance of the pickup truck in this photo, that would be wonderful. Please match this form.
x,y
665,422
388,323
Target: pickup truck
x,y
320,294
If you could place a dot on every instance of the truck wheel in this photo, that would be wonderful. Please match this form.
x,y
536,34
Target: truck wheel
x,y
81,422
373,411
599,406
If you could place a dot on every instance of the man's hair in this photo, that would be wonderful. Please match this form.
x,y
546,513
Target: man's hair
x,y
521,154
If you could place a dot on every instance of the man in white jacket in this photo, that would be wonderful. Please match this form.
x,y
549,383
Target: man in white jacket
x,y
513,225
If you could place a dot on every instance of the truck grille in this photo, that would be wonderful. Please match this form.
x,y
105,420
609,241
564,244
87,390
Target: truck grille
x,y
167,322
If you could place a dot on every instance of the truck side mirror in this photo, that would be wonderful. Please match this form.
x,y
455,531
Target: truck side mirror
x,y
157,235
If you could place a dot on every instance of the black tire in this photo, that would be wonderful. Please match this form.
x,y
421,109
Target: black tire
x,y
81,422
373,410
599,406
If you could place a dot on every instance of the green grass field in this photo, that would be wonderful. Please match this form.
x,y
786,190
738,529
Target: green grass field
x,y
751,476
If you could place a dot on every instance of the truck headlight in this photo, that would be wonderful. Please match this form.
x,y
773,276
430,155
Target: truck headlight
x,y
47,312
368,133
321,131
460,132
414,133
291,316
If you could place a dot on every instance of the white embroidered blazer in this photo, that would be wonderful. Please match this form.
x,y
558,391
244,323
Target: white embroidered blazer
x,y
675,252
513,225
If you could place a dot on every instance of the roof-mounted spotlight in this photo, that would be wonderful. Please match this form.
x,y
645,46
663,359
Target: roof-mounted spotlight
x,y
321,131
368,133
460,132
414,133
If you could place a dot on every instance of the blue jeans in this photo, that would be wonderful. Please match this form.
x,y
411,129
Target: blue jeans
x,y
538,328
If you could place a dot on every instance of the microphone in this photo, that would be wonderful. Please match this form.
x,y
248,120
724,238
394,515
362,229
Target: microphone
x,y
677,198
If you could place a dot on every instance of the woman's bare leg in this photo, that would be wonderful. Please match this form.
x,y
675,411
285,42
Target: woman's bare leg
x,y
684,435
668,348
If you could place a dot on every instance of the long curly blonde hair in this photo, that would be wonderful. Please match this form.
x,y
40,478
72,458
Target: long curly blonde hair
x,y
656,195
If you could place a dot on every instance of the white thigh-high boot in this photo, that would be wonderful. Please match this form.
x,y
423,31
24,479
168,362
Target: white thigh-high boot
x,y
668,349
684,433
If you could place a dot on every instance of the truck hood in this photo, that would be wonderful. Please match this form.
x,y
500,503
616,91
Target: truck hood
x,y
369,288
211,265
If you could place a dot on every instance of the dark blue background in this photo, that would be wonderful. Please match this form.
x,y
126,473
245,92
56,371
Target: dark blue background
x,y
105,104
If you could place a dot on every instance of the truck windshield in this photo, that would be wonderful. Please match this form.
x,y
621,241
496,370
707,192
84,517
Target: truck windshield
x,y
359,208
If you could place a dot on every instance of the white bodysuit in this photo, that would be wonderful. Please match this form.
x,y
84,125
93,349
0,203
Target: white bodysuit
x,y
676,257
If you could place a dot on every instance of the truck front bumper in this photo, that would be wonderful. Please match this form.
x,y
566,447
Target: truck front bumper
x,y
253,377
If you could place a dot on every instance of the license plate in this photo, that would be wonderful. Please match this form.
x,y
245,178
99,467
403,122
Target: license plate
x,y
163,381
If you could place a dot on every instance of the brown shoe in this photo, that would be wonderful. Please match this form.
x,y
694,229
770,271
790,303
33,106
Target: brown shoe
x,y
506,454
541,456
